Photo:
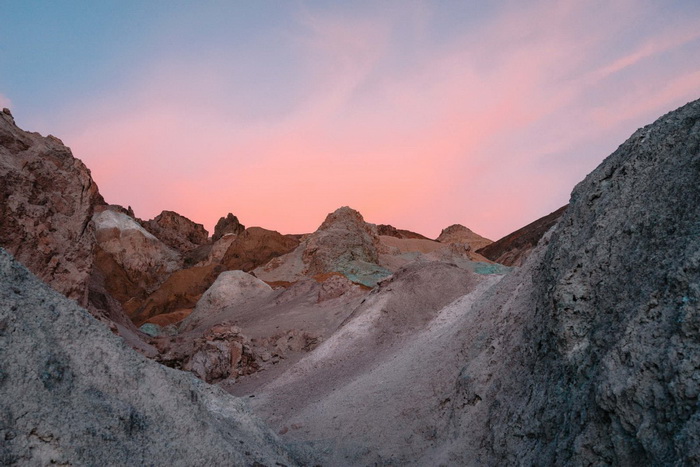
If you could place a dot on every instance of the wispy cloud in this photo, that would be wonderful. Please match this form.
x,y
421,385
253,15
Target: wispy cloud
x,y
490,126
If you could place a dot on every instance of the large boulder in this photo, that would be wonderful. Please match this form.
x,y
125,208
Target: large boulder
x,y
231,288
74,394
47,198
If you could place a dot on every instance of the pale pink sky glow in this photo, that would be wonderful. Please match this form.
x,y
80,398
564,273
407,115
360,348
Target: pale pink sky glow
x,y
490,126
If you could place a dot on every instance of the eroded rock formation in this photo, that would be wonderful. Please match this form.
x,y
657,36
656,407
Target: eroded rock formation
x,y
47,198
227,225
603,368
176,231
73,394
391,231
256,246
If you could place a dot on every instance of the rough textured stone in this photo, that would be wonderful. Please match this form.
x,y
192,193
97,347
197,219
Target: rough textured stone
x,y
605,366
176,231
514,248
256,246
73,394
228,224
134,262
47,198
344,243
222,352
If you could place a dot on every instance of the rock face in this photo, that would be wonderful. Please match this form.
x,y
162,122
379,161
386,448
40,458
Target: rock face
x,y
459,234
136,261
514,248
176,231
180,292
604,369
73,394
46,203
344,243
228,224
256,246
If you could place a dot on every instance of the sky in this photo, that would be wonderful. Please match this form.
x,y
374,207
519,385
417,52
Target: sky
x,y
417,114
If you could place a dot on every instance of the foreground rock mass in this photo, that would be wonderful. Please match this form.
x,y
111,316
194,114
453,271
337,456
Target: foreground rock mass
x,y
74,394
599,363
47,198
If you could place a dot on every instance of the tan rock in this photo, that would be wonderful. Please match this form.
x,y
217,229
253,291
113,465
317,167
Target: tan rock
x,y
145,260
181,290
457,233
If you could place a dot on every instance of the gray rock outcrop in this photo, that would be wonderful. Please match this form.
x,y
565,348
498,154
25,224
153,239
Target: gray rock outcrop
x,y
74,394
600,361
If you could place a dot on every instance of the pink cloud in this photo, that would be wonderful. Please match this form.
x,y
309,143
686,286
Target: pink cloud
x,y
461,138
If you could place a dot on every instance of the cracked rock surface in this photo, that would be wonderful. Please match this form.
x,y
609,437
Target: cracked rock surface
x,y
74,394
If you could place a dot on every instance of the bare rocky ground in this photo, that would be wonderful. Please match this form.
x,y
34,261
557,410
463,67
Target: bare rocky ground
x,y
587,355
74,394
377,346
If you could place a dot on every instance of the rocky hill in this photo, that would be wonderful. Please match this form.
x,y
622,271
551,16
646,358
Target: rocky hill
x,y
368,345
587,355
73,394
459,234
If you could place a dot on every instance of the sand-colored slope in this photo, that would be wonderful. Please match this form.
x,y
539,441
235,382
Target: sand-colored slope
x,y
392,361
